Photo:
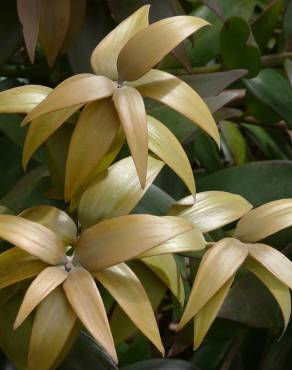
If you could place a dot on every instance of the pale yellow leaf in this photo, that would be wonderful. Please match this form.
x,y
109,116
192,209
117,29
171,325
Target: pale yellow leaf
x,y
85,299
165,145
131,110
92,137
42,285
122,238
265,220
206,316
54,219
218,265
175,93
166,269
77,91
148,46
127,290
52,330
273,260
34,238
115,192
279,290
212,209
190,241
104,57
22,99
17,265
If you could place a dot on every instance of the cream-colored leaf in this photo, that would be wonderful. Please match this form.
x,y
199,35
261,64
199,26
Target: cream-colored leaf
x,y
53,327
78,91
85,299
105,55
273,260
43,284
166,269
22,99
218,265
54,219
127,290
165,145
98,203
206,316
148,46
265,220
42,128
190,241
279,290
212,209
122,238
172,91
17,265
92,137
32,237
131,110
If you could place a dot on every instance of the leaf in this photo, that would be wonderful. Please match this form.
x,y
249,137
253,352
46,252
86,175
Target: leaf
x,y
17,265
287,29
206,316
53,325
161,365
147,47
84,88
97,202
55,219
216,7
165,145
178,95
237,50
22,99
127,290
85,299
227,255
112,241
279,98
288,69
92,137
104,57
279,290
264,221
206,152
49,279
32,237
212,209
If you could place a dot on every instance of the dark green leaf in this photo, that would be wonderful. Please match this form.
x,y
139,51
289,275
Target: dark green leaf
x,y
287,26
216,7
288,69
161,365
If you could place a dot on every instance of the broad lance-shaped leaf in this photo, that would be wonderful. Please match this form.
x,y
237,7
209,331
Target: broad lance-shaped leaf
x,y
104,57
42,128
206,316
52,331
34,238
85,299
175,93
218,265
212,209
54,219
98,203
265,221
92,137
131,110
165,145
279,290
22,99
166,269
49,279
273,260
148,46
79,91
113,241
127,290
17,265
190,241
